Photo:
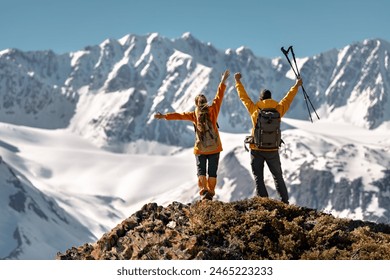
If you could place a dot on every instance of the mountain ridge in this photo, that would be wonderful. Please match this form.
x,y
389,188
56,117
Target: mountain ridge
x,y
145,74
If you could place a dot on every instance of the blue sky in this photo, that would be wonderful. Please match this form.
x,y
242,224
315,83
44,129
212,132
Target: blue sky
x,y
263,26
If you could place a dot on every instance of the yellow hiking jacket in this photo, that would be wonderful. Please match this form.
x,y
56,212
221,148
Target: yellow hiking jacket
x,y
282,106
214,109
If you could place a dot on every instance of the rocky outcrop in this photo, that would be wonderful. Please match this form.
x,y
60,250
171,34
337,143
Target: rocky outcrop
x,y
256,228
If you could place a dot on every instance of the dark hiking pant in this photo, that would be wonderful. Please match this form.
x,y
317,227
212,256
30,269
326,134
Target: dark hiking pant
x,y
273,161
207,164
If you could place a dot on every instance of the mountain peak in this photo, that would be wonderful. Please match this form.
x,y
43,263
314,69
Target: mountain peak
x,y
244,51
187,35
191,39
257,228
108,41
5,52
152,37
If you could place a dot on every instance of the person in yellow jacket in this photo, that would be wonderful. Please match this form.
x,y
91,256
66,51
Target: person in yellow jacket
x,y
208,143
258,155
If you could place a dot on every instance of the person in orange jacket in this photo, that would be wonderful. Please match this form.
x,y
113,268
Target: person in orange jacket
x,y
207,156
258,155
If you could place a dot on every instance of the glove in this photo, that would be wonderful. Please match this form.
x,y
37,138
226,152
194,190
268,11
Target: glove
x,y
159,116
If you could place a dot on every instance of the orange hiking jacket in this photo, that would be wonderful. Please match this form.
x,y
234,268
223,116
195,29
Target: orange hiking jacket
x,y
282,107
214,109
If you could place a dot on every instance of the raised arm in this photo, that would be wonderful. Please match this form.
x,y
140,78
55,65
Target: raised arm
x,y
285,103
217,102
248,103
186,116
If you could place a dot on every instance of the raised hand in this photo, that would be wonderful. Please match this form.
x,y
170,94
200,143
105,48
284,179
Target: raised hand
x,y
159,116
237,76
225,75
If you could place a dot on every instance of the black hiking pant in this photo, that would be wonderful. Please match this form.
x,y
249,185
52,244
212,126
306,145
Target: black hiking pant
x,y
207,169
273,161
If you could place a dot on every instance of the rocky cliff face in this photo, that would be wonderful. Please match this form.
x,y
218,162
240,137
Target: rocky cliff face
x,y
256,228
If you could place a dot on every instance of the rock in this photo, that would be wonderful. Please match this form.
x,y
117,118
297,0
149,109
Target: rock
x,y
257,228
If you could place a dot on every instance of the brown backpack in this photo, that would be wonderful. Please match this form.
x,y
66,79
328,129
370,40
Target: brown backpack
x,y
206,138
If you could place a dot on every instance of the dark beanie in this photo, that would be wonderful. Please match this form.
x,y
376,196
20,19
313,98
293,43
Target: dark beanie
x,y
265,94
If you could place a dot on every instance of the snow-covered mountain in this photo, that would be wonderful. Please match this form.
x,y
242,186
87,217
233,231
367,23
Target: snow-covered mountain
x,y
79,129
339,168
32,224
132,78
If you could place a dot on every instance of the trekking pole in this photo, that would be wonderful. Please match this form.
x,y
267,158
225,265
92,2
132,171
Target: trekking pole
x,y
298,76
303,89
289,61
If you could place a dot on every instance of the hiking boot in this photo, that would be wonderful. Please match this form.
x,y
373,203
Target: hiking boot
x,y
202,184
207,196
211,183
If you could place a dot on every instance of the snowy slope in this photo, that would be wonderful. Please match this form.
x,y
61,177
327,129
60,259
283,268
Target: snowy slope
x,y
340,168
100,188
32,225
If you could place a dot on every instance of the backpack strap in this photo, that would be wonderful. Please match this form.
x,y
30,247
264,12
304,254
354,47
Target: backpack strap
x,y
248,140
